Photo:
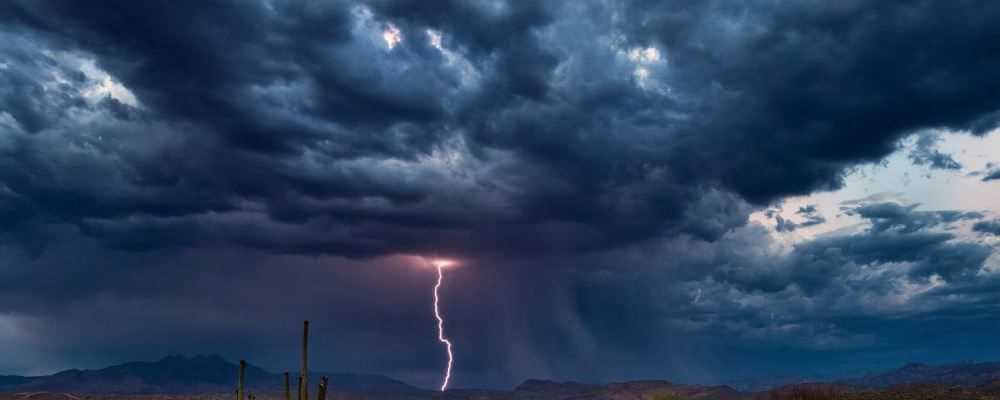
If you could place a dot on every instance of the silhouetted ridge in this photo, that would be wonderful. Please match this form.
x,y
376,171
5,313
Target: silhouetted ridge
x,y
966,374
183,375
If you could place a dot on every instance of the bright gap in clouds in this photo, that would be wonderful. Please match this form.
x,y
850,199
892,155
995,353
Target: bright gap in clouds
x,y
898,179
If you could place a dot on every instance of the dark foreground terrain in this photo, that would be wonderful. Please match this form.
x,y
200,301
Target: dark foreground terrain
x,y
213,378
623,391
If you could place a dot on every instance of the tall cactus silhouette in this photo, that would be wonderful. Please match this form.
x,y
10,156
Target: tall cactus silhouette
x,y
242,380
288,389
304,373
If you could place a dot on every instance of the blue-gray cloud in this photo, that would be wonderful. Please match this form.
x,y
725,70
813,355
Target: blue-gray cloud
x,y
292,116
926,153
560,144
809,213
990,227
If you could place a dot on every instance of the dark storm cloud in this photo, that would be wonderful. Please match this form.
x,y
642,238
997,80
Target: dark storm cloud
x,y
597,161
991,175
523,68
813,83
828,298
905,219
299,110
897,235
811,217
991,227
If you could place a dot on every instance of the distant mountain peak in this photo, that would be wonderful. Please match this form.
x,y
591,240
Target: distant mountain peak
x,y
915,365
183,374
960,374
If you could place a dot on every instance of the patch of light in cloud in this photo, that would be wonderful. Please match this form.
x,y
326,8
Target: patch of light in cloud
x,y
907,289
467,72
642,75
392,36
379,34
643,61
435,39
100,84
646,55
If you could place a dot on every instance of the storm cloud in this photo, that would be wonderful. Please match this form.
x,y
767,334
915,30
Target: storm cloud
x,y
992,175
596,163
991,227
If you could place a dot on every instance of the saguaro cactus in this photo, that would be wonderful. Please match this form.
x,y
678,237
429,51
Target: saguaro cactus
x,y
242,380
288,389
322,388
304,373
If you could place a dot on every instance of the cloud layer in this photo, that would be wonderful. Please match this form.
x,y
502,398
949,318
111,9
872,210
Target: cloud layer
x,y
596,163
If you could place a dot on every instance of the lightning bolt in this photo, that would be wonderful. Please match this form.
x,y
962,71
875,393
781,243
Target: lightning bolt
x,y
437,314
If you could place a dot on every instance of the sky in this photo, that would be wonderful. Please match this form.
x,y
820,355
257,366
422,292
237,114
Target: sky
x,y
701,192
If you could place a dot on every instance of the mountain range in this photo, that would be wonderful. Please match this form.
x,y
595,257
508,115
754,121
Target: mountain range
x,y
213,374
966,374
181,375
